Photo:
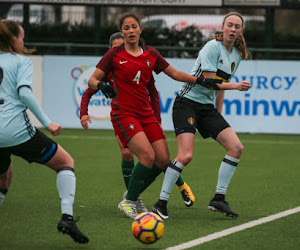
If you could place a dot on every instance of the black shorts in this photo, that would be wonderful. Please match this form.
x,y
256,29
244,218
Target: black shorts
x,y
40,148
189,116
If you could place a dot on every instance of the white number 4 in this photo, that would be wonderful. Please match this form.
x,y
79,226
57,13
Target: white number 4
x,y
137,77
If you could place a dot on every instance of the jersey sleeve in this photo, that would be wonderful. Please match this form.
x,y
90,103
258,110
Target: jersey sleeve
x,y
209,56
25,69
85,100
106,62
161,64
30,101
154,98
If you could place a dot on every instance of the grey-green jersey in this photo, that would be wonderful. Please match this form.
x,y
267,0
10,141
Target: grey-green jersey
x,y
213,57
15,127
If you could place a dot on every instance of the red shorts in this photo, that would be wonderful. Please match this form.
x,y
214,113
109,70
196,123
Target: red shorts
x,y
126,127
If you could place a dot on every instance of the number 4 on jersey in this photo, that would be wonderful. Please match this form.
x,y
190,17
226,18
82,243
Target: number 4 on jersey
x,y
137,77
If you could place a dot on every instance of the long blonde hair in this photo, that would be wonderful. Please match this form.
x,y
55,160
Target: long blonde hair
x,y
240,43
8,30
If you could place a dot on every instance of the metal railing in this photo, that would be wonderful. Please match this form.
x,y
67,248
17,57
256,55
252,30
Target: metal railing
x,y
171,51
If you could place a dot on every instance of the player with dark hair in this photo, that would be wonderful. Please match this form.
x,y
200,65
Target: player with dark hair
x,y
194,109
132,116
127,164
19,137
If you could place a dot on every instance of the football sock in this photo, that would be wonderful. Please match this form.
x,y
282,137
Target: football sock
x,y
67,217
219,197
137,181
155,171
162,203
66,185
226,171
127,167
171,176
2,195
180,181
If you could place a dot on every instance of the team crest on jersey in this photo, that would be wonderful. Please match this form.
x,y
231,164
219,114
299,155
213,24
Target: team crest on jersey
x,y
232,66
191,120
131,126
148,63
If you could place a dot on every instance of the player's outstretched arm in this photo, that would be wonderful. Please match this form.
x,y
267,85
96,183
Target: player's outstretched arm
x,y
209,83
30,101
241,86
179,75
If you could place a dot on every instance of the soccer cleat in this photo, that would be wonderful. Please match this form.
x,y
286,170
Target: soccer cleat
x,y
140,206
187,195
161,210
222,206
129,208
69,227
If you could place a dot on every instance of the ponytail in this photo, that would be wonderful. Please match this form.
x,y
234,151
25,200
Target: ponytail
x,y
241,46
8,30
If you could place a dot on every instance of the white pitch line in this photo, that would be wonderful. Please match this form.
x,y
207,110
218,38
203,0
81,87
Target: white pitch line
x,y
173,139
232,230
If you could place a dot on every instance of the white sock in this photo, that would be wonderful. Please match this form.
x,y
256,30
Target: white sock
x,y
2,196
226,171
66,185
171,176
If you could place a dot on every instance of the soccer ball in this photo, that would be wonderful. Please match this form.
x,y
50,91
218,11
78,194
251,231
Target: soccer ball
x,y
148,227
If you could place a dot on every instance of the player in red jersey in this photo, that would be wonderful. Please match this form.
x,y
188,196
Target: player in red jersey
x,y
131,65
127,164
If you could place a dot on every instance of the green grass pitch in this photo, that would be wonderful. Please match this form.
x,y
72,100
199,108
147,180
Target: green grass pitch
x,y
266,182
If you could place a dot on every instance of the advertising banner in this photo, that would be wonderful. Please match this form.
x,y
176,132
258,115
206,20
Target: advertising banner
x,y
272,105
130,2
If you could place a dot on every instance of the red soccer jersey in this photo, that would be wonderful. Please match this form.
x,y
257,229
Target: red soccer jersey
x,y
153,94
131,76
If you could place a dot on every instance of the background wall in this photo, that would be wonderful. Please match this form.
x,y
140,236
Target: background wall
x,y
272,105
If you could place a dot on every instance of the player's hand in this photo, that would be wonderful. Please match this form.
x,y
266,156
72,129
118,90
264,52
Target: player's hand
x,y
54,128
209,83
106,89
85,120
244,86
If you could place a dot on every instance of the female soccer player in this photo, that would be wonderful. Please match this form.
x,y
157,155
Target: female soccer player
x,y
127,164
19,137
132,117
194,109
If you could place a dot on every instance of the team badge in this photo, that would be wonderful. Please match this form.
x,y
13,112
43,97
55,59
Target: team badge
x,y
232,66
131,126
148,63
191,120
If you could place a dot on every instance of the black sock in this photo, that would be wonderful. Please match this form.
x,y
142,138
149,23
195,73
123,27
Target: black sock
x,y
162,202
219,197
67,217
